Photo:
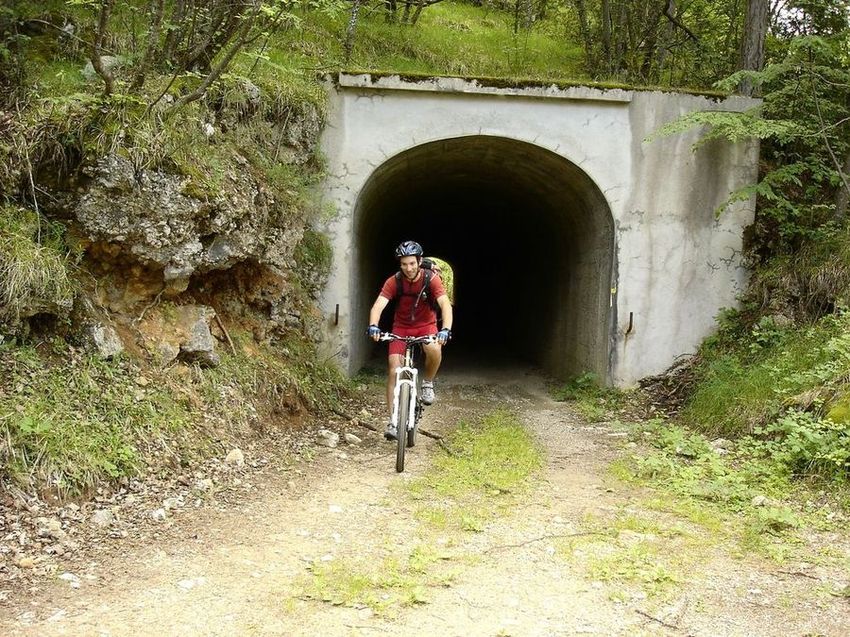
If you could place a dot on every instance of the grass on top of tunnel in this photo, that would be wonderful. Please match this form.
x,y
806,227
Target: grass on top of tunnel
x,y
451,38
483,467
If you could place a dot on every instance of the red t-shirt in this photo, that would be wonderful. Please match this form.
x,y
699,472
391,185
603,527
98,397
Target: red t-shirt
x,y
405,315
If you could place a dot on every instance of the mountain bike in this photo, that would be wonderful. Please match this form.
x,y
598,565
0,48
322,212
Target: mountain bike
x,y
407,403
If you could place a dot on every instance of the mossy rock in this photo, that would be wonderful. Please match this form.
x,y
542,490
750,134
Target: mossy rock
x,y
195,190
839,411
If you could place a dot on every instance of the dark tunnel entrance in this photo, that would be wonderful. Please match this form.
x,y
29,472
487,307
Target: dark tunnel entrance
x,y
530,239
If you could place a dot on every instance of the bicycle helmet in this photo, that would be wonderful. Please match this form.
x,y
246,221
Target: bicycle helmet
x,y
408,249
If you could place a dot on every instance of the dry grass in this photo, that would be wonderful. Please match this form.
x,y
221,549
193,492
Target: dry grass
x,y
807,286
33,269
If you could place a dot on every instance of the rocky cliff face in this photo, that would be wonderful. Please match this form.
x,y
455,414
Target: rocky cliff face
x,y
165,252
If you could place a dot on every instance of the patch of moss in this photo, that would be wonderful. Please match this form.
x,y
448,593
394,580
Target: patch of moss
x,y
839,411
314,253
525,82
195,190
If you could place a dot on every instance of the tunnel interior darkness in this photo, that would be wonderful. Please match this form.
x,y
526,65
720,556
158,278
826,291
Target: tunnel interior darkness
x,y
530,239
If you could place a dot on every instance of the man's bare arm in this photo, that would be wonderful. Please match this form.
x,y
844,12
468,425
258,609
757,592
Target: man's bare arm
x,y
377,309
446,311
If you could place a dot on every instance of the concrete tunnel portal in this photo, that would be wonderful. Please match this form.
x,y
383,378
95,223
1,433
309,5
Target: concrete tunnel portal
x,y
530,238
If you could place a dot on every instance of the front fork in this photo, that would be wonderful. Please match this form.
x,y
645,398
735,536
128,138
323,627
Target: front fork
x,y
399,381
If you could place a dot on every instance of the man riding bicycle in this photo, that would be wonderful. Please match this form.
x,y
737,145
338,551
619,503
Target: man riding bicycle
x,y
415,315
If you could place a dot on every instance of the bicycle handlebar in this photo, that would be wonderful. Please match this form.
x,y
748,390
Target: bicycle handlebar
x,y
389,336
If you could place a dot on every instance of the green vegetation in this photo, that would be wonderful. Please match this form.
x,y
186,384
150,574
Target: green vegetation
x,y
79,421
803,189
787,387
481,472
34,264
69,422
776,374
452,38
633,554
385,586
743,492
594,402
640,563
700,496
314,255
488,464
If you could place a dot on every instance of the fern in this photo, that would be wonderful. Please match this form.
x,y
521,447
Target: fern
x,y
734,127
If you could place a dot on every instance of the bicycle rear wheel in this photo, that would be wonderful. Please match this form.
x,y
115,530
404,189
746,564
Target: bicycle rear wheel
x,y
403,415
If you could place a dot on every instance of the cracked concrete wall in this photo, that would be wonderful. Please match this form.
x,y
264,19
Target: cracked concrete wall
x,y
679,262
629,226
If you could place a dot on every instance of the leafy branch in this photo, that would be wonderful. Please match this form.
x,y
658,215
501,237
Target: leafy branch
x,y
803,124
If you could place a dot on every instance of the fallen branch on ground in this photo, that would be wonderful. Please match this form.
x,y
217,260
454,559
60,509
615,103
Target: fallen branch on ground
x,y
349,418
226,335
429,434
800,574
655,619
541,538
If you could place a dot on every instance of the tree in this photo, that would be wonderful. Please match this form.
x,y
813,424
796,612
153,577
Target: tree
x,y
631,39
752,42
348,44
411,13
184,36
804,122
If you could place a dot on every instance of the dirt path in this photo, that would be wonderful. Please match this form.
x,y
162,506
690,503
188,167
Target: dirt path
x,y
540,569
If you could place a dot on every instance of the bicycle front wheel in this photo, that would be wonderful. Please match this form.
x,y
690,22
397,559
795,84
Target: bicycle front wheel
x,y
403,416
411,434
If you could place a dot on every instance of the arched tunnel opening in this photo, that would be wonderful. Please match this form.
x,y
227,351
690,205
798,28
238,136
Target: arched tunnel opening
x,y
530,239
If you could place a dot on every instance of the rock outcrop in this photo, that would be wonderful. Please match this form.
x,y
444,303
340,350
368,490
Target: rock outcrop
x,y
151,215
180,332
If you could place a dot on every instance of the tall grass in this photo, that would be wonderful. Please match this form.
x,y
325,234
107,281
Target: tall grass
x,y
72,423
748,380
33,264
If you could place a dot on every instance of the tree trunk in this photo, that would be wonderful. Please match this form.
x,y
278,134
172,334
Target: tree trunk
x,y
178,13
668,34
842,197
420,4
243,38
584,32
606,34
620,36
350,30
516,16
392,7
97,46
752,42
156,12
653,30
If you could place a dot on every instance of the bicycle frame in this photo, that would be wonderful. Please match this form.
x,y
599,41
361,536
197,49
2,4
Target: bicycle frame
x,y
407,375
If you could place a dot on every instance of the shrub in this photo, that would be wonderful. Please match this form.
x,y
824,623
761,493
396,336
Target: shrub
x,y
807,444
